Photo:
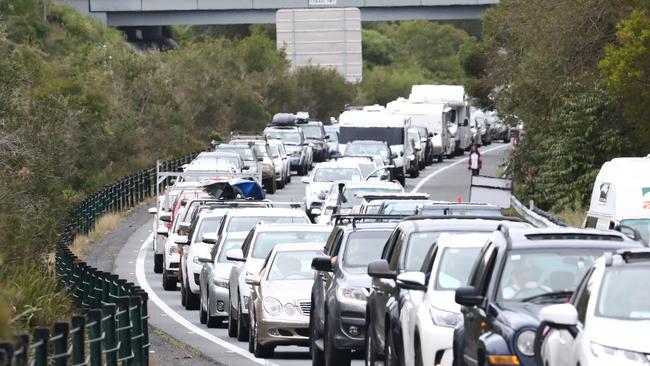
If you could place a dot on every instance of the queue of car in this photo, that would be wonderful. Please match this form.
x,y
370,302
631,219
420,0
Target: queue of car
x,y
361,269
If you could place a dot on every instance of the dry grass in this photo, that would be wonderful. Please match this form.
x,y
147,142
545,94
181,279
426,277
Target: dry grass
x,y
105,224
573,218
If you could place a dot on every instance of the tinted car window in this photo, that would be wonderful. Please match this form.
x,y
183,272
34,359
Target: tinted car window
x,y
245,152
334,174
363,247
293,265
265,241
367,149
417,248
228,245
288,136
245,223
623,296
208,225
455,267
312,132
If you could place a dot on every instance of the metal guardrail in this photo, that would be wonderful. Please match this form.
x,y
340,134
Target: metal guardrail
x,y
114,326
535,216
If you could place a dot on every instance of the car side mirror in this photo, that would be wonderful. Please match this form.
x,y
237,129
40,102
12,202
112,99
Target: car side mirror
x,y
261,158
210,238
153,210
305,180
559,316
316,211
393,156
326,137
184,226
322,195
465,123
431,134
628,231
182,240
162,230
322,263
380,269
305,144
246,167
205,260
235,255
467,296
401,153
253,280
412,281
165,217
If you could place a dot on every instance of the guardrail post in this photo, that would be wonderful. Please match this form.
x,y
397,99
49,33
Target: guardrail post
x,y
95,337
124,330
21,352
78,339
6,353
110,340
41,339
137,335
60,340
144,313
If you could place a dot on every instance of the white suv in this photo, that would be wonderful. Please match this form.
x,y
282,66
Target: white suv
x,y
607,320
428,318
321,178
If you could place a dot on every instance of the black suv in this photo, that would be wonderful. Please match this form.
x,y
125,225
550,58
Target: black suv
x,y
518,273
315,133
405,251
341,285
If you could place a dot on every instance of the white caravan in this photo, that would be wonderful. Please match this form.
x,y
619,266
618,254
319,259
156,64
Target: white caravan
x,y
375,124
431,116
458,115
621,196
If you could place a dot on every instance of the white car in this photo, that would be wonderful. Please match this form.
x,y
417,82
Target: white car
x,y
193,249
428,317
372,167
281,162
608,318
251,257
321,179
352,197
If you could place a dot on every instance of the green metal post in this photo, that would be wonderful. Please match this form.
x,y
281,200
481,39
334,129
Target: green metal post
x,y
144,312
21,353
110,340
95,337
136,319
41,338
78,339
60,340
124,330
6,353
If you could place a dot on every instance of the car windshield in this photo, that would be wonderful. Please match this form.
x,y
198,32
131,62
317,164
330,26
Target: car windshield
x,y
261,150
417,247
367,149
288,136
624,294
423,132
455,267
244,151
336,174
228,245
274,151
363,247
402,208
265,241
531,274
208,225
353,196
246,223
640,225
217,160
292,265
312,132
475,212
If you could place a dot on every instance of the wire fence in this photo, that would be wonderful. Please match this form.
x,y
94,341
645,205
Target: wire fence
x,y
113,329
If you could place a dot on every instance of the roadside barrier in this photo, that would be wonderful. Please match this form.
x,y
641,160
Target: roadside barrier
x,y
113,329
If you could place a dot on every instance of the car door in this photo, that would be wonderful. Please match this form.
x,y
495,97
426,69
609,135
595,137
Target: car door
x,y
475,315
385,291
324,281
569,348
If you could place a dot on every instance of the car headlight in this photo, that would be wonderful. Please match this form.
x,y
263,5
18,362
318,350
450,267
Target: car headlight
x,y
272,306
614,354
290,309
174,250
351,295
526,343
221,282
444,318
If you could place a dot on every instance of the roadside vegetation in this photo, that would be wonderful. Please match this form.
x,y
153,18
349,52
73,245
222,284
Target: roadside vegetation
x,y
576,73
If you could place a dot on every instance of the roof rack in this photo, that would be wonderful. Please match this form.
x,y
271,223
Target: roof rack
x,y
503,229
463,217
236,135
634,255
393,196
573,236
354,218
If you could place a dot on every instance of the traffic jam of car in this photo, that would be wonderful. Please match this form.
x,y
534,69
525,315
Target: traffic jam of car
x,y
360,269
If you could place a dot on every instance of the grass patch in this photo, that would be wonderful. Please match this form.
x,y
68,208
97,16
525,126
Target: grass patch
x,y
572,217
105,224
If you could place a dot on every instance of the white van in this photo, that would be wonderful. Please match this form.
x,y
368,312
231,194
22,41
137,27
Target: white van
x,y
373,123
458,116
621,196
429,115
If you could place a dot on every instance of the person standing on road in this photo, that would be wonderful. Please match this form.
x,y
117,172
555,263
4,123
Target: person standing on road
x,y
474,163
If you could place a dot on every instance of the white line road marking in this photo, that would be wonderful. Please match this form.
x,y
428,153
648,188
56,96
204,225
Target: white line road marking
x,y
433,174
142,281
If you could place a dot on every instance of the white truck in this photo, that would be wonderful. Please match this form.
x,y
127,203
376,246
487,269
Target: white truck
x,y
456,110
621,197
373,123
431,116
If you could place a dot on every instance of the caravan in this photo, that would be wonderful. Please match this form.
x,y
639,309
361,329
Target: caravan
x,y
431,116
456,110
373,123
621,197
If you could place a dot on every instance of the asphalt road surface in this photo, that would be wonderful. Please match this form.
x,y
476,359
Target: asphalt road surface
x,y
443,181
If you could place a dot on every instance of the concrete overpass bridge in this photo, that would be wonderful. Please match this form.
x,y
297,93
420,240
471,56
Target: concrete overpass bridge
x,y
143,13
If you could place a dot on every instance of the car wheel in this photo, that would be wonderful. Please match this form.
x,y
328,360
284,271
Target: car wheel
x,y
390,356
168,284
317,357
260,351
281,183
371,355
191,299
213,321
232,324
418,352
242,327
333,355
440,158
289,177
414,172
251,336
402,180
183,295
203,315
158,263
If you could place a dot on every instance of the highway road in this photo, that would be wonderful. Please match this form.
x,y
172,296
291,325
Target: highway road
x,y
443,181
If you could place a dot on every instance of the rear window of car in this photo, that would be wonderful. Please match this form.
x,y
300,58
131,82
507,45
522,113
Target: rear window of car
x,y
246,223
265,241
